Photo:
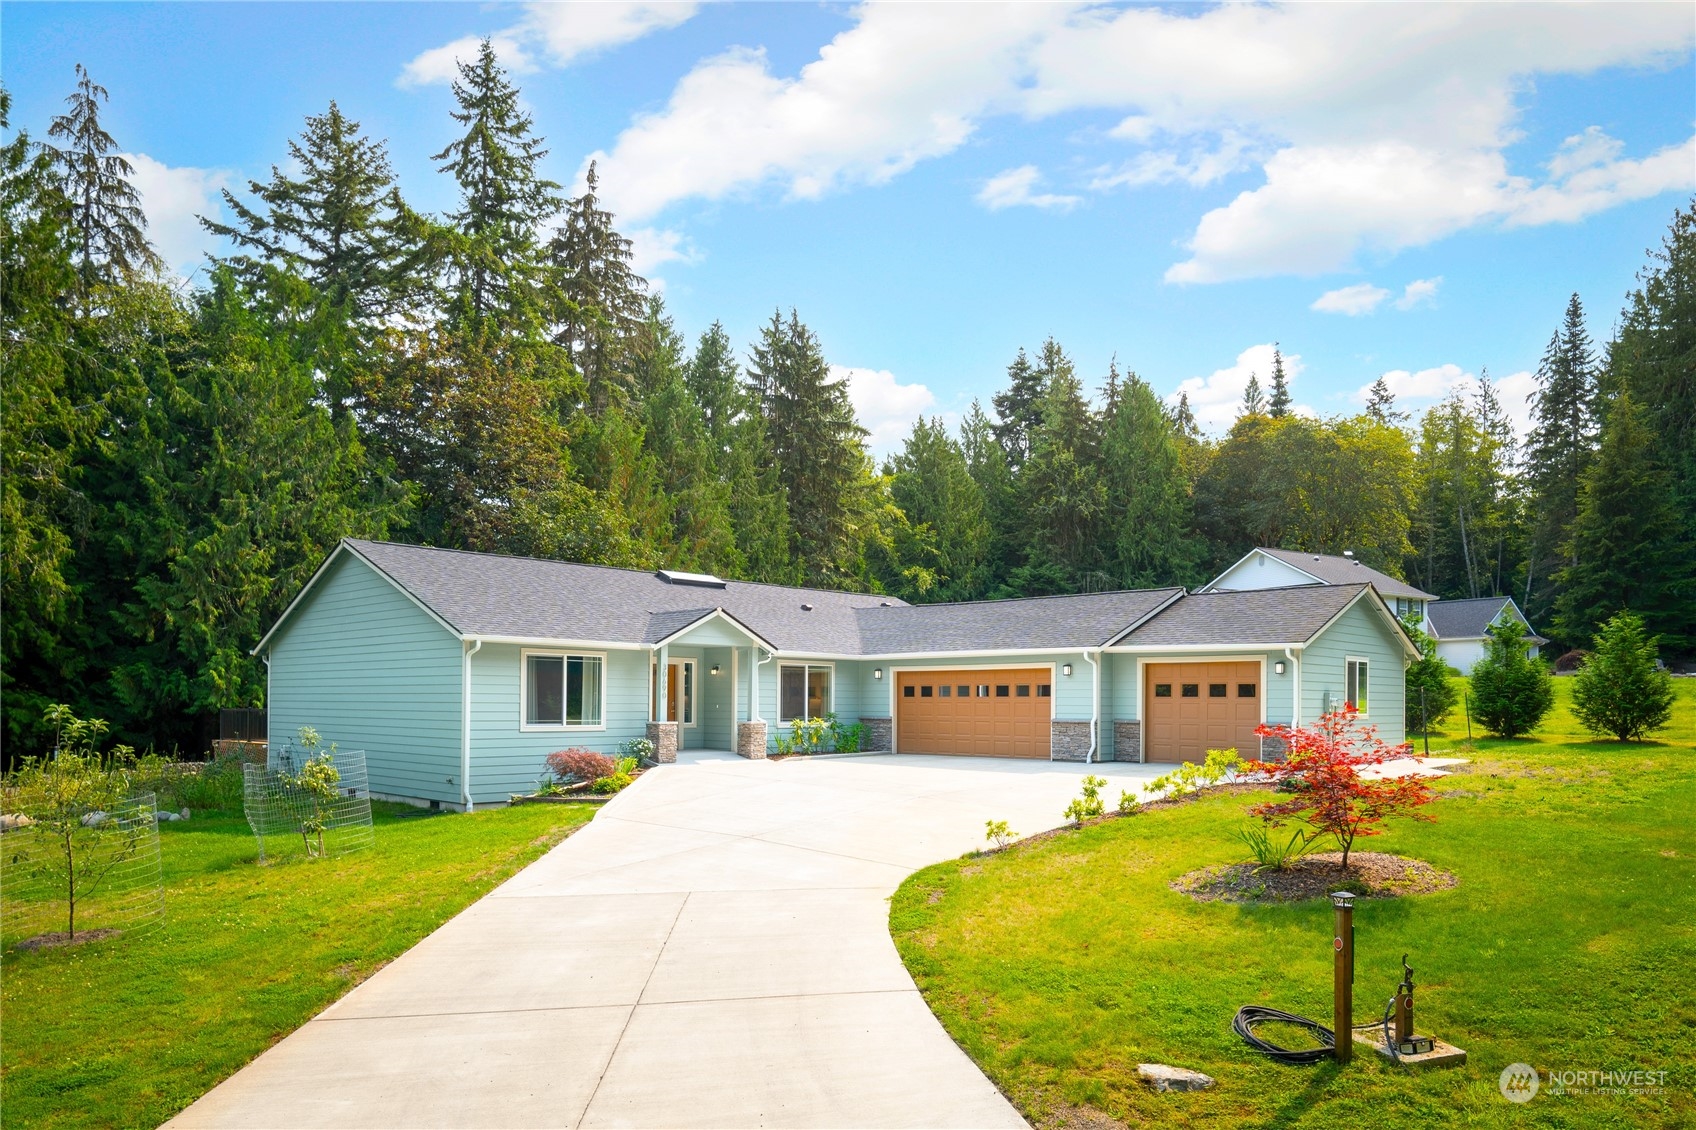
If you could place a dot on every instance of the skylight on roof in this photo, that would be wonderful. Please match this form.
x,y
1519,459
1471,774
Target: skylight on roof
x,y
704,580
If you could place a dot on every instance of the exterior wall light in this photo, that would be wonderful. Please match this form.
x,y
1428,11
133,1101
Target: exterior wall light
x,y
715,669
1066,670
1278,667
877,673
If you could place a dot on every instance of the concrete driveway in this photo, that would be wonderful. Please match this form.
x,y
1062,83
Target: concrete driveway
x,y
712,950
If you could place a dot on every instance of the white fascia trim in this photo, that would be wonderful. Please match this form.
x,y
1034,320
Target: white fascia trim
x,y
715,614
1211,649
902,656
553,642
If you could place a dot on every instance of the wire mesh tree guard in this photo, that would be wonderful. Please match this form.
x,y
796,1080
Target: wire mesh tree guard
x,y
312,802
71,875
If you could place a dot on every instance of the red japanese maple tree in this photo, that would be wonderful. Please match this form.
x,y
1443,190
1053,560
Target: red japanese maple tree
x,y
1322,769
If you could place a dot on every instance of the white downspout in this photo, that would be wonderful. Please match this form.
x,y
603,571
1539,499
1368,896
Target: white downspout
x,y
465,728
754,690
1295,684
1095,707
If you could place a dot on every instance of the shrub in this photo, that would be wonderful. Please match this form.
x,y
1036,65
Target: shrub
x,y
1323,763
1570,662
581,765
1619,690
998,833
1430,695
1269,853
1128,803
1089,805
1511,692
1189,777
611,783
846,738
636,749
809,735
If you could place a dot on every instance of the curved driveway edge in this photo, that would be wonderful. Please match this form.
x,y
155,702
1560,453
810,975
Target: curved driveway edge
x,y
712,949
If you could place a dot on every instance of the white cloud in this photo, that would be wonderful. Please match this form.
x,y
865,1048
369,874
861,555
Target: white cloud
x,y
1361,298
905,83
174,200
563,32
886,407
651,248
441,64
1379,127
1013,187
1217,399
1418,292
1416,391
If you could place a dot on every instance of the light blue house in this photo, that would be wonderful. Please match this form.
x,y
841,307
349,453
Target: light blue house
x,y
458,673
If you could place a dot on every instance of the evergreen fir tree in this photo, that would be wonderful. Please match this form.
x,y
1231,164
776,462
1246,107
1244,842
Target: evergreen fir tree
x,y
1147,520
503,196
1511,692
759,504
105,208
1624,541
1279,406
1562,441
986,462
1060,492
1183,419
597,299
1381,404
1430,696
819,449
1620,690
932,485
1254,401
1018,408
341,226
716,384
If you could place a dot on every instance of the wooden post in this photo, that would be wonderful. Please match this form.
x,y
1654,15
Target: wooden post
x,y
1342,976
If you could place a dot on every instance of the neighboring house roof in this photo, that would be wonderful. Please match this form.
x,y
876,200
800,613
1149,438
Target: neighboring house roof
x,y
1471,619
490,596
1246,616
1330,570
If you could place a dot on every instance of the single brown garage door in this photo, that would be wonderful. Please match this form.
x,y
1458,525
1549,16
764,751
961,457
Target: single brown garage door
x,y
981,713
1195,707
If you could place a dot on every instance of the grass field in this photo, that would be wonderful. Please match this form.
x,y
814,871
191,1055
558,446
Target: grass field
x,y
128,1031
1569,944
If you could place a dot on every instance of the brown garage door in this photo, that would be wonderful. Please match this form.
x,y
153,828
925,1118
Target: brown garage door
x,y
984,713
1195,707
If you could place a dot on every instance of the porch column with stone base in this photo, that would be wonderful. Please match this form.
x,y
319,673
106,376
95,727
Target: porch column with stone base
x,y
664,737
751,740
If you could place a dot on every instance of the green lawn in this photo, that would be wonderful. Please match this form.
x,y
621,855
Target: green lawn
x,y
128,1031
1569,944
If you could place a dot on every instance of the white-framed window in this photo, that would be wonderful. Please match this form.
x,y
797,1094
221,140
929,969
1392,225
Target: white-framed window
x,y
563,690
1355,683
804,690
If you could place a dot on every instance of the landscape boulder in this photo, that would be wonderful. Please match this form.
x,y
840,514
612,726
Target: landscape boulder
x,y
1163,1077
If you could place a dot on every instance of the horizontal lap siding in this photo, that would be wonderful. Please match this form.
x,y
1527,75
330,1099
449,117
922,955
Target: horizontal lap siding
x,y
1363,633
368,669
506,759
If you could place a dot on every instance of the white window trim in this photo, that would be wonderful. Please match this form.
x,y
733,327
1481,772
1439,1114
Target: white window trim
x,y
805,666
529,727
1366,663
695,682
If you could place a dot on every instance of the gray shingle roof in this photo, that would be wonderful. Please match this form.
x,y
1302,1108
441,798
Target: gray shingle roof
x,y
1246,616
480,594
485,594
1047,622
1466,619
1346,571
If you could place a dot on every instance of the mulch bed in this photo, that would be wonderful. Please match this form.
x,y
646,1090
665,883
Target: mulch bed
x,y
58,938
1370,875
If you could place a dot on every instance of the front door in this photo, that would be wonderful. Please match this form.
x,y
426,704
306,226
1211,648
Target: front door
x,y
680,691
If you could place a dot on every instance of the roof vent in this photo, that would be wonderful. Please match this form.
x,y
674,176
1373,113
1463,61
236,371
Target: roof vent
x,y
884,604
806,608
702,580
1349,553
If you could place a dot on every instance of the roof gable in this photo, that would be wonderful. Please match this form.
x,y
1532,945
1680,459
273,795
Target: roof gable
x,y
1470,619
1326,569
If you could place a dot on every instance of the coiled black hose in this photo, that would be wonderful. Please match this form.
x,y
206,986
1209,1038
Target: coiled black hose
x,y
1251,1014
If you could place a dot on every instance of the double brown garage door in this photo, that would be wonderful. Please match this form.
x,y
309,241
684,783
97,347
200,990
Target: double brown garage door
x,y
1002,713
1195,707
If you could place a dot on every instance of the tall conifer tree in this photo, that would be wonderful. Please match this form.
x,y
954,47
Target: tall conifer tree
x,y
503,196
1562,442
598,300
1018,408
933,486
1279,405
1147,521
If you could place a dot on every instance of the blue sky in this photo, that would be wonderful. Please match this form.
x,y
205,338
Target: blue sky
x,y
1410,190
